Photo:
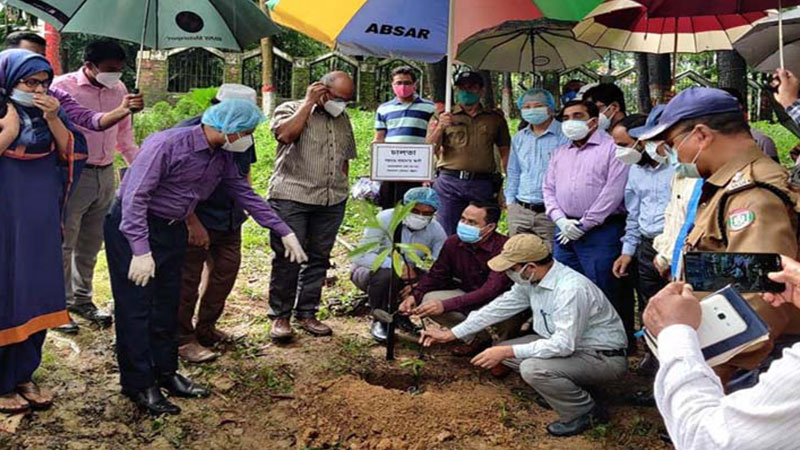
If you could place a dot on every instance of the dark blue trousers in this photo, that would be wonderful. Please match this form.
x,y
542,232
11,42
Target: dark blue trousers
x,y
593,255
146,318
19,361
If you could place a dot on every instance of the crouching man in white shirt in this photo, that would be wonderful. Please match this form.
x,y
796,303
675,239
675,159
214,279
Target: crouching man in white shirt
x,y
579,340
690,397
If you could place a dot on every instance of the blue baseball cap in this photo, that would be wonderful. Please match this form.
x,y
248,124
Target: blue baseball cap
x,y
689,104
652,122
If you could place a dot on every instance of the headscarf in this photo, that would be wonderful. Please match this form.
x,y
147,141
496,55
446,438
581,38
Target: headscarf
x,y
537,95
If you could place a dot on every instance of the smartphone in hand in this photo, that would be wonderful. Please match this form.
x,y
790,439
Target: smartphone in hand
x,y
747,272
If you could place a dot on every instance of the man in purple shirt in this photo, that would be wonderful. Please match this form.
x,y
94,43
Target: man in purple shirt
x,y
460,280
146,238
584,191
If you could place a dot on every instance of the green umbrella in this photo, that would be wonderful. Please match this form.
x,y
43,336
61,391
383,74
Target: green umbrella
x,y
571,10
158,24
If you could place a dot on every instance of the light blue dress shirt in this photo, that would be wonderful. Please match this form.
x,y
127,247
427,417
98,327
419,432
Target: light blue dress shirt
x,y
527,164
432,236
647,193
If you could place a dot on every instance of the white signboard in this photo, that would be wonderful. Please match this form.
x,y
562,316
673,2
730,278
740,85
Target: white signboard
x,y
402,162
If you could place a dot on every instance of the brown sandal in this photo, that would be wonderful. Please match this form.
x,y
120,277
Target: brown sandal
x,y
37,397
13,403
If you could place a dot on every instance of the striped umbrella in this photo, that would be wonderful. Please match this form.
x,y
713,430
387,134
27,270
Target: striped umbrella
x,y
675,26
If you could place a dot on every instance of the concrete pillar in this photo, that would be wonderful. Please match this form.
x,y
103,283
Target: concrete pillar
x,y
301,78
233,68
153,77
367,90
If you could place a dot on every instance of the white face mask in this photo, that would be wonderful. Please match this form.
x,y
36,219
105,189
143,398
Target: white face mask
x,y
335,107
628,155
108,79
603,122
651,147
575,130
416,222
517,278
21,97
238,146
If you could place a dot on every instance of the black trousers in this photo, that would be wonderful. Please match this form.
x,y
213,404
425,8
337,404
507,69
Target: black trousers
x,y
146,318
316,228
648,280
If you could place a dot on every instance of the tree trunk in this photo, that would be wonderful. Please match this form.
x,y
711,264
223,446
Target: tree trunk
x,y
488,89
508,96
766,104
642,83
436,74
659,77
732,71
53,51
267,89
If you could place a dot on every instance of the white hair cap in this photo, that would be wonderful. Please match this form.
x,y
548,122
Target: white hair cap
x,y
239,91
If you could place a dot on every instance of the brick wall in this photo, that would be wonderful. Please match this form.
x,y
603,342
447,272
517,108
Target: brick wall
x,y
153,77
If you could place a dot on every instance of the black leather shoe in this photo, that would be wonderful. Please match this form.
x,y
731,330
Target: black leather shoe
x,y
379,331
152,401
180,386
70,328
578,425
91,313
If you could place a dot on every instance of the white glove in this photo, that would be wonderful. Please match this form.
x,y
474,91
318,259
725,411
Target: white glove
x,y
142,268
562,224
562,238
574,231
294,251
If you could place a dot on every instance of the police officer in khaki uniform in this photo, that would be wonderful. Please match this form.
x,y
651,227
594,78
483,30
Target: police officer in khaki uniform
x,y
465,141
746,204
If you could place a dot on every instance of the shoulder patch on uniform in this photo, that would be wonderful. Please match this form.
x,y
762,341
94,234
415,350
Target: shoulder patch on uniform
x,y
739,182
740,219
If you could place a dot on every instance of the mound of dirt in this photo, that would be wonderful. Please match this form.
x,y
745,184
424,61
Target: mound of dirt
x,y
355,414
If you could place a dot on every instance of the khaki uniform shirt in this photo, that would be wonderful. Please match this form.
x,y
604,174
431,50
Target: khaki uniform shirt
x,y
468,144
313,169
756,221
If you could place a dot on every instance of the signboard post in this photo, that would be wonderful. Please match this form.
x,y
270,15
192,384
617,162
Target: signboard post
x,y
393,162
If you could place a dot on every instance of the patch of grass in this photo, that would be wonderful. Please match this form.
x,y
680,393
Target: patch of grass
x,y
599,432
784,139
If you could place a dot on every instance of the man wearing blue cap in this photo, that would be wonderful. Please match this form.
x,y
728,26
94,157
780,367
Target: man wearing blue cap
x,y
418,227
745,204
146,239
531,149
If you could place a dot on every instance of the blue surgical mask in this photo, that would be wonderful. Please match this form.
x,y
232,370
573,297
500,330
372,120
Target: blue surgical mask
x,y
467,98
686,170
468,233
535,116
22,98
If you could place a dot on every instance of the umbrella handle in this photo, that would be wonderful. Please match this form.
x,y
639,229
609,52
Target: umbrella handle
x,y
141,45
780,33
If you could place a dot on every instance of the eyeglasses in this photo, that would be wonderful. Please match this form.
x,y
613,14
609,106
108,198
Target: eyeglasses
x,y
423,213
404,83
33,83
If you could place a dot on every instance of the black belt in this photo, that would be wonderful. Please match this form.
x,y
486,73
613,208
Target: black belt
x,y
465,175
535,207
609,219
612,353
95,166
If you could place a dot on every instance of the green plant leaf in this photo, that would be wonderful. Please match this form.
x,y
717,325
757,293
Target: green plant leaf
x,y
424,249
379,260
410,253
397,263
365,210
366,248
400,213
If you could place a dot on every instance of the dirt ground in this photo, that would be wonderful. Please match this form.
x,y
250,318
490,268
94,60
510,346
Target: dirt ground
x,y
336,392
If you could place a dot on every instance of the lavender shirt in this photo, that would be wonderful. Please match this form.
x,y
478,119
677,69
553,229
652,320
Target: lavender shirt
x,y
173,171
77,113
586,182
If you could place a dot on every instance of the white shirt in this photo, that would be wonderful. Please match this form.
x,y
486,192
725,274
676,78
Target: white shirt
x,y
697,413
569,312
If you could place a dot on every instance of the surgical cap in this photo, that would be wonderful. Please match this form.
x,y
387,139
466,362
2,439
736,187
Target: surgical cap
x,y
537,95
422,195
233,116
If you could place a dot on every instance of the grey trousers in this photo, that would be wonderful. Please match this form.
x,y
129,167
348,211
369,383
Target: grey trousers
x,y
521,220
561,381
83,231
507,329
294,287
